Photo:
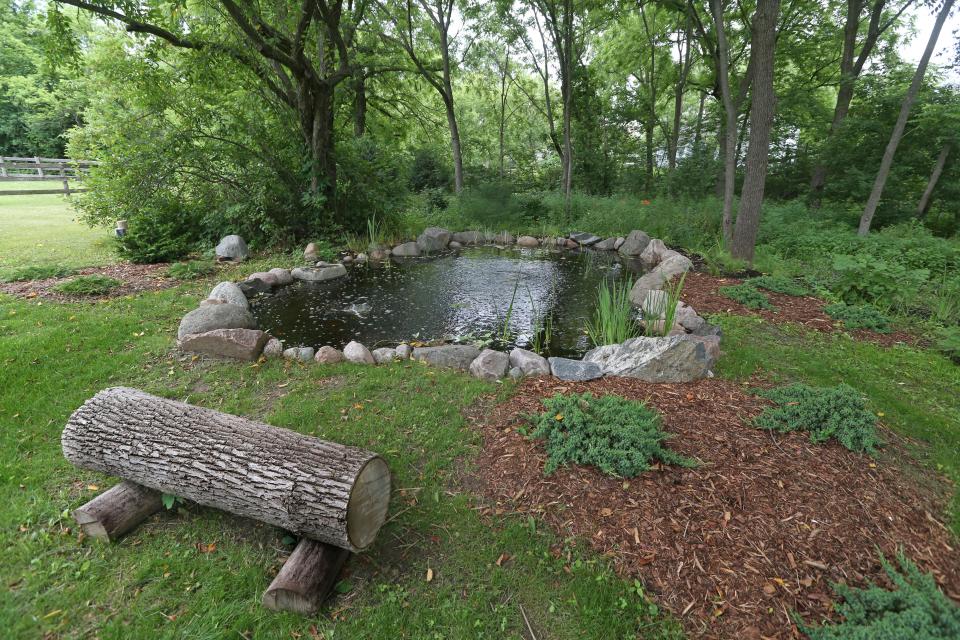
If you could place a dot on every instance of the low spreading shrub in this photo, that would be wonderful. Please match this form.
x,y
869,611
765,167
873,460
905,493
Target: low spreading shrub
x,y
37,272
93,285
862,316
825,412
780,284
948,342
915,608
747,295
190,270
621,437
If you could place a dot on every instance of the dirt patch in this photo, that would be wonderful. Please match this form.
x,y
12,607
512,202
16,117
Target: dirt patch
x,y
700,291
759,529
136,278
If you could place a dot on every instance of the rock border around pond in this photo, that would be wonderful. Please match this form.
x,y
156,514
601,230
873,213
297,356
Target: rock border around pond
x,y
222,325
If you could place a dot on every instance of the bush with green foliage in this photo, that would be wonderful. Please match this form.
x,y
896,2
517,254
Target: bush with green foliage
x,y
190,270
780,284
825,412
863,316
747,295
914,609
37,272
621,437
948,342
92,285
159,236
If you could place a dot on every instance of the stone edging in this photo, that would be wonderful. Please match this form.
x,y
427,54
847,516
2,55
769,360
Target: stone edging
x,y
223,326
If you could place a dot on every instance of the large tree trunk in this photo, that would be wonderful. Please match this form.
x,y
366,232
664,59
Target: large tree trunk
x,y
359,104
887,162
924,204
320,490
763,106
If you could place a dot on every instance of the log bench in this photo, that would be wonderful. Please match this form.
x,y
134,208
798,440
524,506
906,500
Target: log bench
x,y
333,496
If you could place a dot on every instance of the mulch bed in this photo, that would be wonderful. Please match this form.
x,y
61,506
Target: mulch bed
x,y
758,530
700,292
136,278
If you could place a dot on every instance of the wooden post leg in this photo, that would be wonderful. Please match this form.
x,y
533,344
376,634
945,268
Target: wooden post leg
x,y
117,510
305,578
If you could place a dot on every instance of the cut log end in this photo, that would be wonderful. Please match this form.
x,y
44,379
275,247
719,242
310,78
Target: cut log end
x,y
369,499
117,510
306,578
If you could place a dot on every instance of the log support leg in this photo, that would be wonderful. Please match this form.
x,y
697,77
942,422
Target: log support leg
x,y
306,578
117,510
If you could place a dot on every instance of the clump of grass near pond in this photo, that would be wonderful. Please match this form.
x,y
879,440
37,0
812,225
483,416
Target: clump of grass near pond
x,y
620,437
613,320
190,270
37,272
92,285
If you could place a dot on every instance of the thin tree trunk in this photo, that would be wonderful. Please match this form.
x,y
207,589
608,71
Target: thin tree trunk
x,y
449,105
698,130
359,104
729,127
679,90
762,109
887,162
924,204
504,88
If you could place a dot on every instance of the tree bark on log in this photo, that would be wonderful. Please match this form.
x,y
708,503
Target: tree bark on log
x,y
305,578
117,510
319,490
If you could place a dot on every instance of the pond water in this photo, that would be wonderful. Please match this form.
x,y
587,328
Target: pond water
x,y
472,293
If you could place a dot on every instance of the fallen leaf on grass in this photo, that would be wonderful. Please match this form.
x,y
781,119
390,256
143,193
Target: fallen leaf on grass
x,y
429,574
503,558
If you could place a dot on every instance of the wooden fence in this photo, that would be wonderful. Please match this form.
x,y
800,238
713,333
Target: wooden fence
x,y
60,170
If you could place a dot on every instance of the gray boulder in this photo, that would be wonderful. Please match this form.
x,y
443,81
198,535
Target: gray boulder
x,y
229,293
447,356
319,274
311,253
266,276
469,237
303,354
240,344
215,316
404,351
273,349
619,243
585,239
528,241
384,355
515,373
283,276
606,245
654,252
577,370
530,363
454,245
253,288
490,365
670,359
407,250
232,248
672,265
634,244
357,353
328,355
433,239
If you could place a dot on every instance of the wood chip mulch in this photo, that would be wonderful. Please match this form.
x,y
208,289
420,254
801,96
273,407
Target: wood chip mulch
x,y
700,292
136,278
758,530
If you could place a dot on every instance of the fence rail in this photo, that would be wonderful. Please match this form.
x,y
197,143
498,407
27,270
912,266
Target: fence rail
x,y
63,170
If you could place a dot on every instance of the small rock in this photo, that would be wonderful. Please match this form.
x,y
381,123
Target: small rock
x,y
490,365
528,241
215,316
578,370
266,276
619,243
346,259
433,239
634,244
529,362
356,352
253,288
407,250
328,355
606,245
229,293
311,253
585,239
570,244
319,274
504,237
469,237
379,255
361,257
384,355
515,373
303,354
447,356
273,349
653,253
404,351
233,248
283,276
240,344
455,245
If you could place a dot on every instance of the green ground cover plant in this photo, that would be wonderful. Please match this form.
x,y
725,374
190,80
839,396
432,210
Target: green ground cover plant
x,y
780,284
915,608
826,413
37,272
620,437
747,295
190,270
91,285
861,316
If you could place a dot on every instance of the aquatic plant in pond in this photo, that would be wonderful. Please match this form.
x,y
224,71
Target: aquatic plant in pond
x,y
613,320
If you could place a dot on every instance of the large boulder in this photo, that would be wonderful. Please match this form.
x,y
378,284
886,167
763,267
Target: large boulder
x,y
528,241
215,316
575,370
490,365
357,353
319,274
311,253
384,355
653,253
634,244
302,354
447,356
606,245
672,265
585,239
680,358
404,351
230,293
241,344
232,248
469,237
283,276
270,278
273,349
407,250
328,355
433,239
530,363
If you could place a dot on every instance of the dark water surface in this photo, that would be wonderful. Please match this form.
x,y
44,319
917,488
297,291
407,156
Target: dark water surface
x,y
465,294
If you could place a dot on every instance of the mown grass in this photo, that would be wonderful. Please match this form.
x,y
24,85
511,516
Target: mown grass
x,y
156,582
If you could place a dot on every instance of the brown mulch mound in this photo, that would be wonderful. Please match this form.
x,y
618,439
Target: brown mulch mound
x,y
700,292
136,278
759,529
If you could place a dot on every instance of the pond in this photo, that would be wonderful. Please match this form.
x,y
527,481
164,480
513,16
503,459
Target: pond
x,y
532,298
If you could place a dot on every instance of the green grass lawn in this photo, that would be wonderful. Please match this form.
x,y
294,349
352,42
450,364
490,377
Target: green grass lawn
x,y
42,230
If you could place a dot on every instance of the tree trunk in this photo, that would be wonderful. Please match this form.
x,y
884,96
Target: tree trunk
x,y
763,107
729,127
504,89
679,89
451,113
698,131
887,162
319,490
359,104
117,510
924,203
305,578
